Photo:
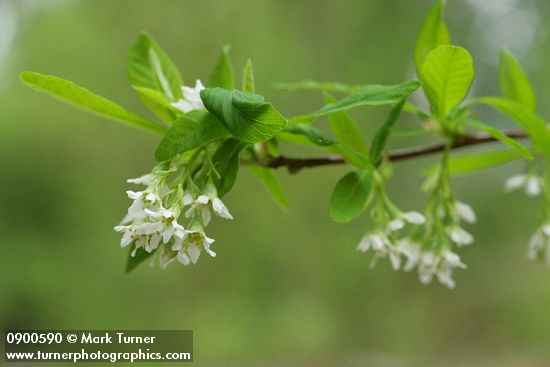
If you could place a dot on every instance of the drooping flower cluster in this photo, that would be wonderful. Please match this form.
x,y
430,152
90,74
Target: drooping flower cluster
x,y
169,217
428,246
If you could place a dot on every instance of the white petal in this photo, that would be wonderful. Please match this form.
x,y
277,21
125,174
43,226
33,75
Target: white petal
x,y
183,258
154,242
167,234
194,252
546,229
143,180
395,260
183,105
205,215
533,186
220,209
208,250
134,195
415,218
466,212
460,236
364,245
199,86
126,239
187,199
203,199
396,225
377,242
515,182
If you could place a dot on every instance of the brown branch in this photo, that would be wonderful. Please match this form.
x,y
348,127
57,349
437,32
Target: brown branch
x,y
294,165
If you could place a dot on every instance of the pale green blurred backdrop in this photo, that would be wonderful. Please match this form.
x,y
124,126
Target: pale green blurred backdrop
x,y
287,289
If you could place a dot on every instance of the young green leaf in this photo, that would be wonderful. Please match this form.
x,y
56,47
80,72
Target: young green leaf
x,y
156,102
433,33
309,84
223,75
371,95
345,129
514,83
226,162
80,97
499,135
301,119
447,74
150,67
246,115
534,125
140,256
314,135
381,136
190,131
350,196
271,184
248,77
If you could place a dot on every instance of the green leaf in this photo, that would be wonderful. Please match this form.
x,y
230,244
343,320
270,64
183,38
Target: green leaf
x,y
80,97
314,135
301,119
482,161
499,135
246,115
190,131
371,95
345,129
226,162
381,136
157,103
248,77
534,125
514,83
309,84
223,75
433,33
271,184
350,196
447,74
140,256
150,67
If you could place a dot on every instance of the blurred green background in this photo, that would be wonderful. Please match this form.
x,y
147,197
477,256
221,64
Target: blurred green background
x,y
287,289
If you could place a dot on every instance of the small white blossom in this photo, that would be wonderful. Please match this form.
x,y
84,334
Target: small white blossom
x,y
382,246
206,202
191,98
415,217
167,223
465,212
531,184
146,180
460,236
409,217
189,247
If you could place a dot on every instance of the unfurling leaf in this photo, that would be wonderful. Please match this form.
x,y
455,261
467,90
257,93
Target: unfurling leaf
x,y
150,67
80,97
314,135
371,95
350,196
226,163
514,83
433,33
190,131
271,184
223,75
246,115
447,74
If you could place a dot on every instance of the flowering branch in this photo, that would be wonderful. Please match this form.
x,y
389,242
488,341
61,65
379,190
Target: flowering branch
x,y
295,165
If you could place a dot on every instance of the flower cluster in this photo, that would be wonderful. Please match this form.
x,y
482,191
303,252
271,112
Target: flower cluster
x,y
169,217
428,246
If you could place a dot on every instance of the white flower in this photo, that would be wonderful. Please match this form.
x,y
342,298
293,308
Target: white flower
x,y
206,202
440,265
539,244
409,217
460,236
412,252
146,180
189,247
465,212
191,98
381,245
167,224
531,184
